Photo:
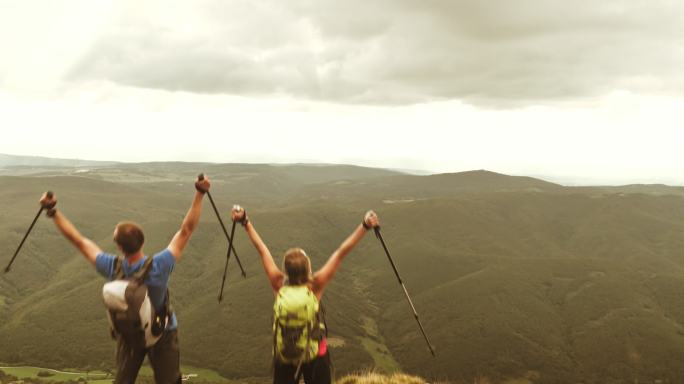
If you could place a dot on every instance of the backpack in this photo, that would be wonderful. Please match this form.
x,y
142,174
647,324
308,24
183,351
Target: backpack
x,y
297,325
130,310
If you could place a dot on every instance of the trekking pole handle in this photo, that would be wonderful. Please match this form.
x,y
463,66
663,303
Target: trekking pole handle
x,y
201,185
49,207
200,178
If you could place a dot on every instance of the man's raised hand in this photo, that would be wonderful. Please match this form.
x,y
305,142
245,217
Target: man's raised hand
x,y
202,184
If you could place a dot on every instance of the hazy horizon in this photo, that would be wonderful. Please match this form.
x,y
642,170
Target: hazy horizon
x,y
570,181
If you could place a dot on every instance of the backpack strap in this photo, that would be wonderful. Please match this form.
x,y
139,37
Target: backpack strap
x,y
142,273
321,318
167,304
118,268
275,340
167,311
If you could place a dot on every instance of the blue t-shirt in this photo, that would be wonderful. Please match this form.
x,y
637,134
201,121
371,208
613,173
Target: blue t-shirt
x,y
157,280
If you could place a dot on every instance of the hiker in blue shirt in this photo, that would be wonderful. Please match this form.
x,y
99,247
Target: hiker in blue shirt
x,y
164,355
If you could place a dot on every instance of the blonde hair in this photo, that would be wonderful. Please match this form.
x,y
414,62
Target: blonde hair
x,y
297,266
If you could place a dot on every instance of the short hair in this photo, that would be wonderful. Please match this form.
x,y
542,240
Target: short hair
x,y
297,266
129,236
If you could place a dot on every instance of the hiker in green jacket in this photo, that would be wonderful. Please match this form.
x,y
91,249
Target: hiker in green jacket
x,y
299,343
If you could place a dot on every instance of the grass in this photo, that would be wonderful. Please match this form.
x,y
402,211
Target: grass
x,y
376,378
382,357
370,326
202,374
199,374
374,344
32,372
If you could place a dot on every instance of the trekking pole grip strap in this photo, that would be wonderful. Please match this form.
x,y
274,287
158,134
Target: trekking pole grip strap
x,y
244,219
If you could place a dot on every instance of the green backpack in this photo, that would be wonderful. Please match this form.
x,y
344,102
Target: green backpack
x,y
297,325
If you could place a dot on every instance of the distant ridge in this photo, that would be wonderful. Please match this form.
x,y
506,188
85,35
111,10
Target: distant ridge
x,y
434,184
38,161
404,187
482,177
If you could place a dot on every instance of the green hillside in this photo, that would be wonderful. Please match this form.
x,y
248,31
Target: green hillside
x,y
515,279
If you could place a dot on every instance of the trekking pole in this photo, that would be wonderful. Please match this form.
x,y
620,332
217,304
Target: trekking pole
x,y
225,232
225,268
415,314
7,269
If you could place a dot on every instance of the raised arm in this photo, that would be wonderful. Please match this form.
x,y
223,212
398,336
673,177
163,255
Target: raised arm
x,y
181,238
323,276
86,246
273,273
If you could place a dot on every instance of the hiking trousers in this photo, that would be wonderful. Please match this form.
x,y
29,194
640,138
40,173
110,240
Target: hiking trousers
x,y
315,372
164,357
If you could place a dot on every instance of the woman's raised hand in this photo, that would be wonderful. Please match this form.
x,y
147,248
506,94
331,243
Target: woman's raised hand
x,y
238,214
370,220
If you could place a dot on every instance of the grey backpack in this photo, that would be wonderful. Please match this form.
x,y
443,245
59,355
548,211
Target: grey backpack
x,y
130,310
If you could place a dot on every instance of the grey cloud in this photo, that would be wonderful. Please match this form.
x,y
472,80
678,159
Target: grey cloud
x,y
496,52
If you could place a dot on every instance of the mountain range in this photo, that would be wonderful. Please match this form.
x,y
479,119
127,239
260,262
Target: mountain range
x,y
515,279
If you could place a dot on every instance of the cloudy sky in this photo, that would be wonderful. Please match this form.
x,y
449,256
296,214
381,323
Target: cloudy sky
x,y
580,91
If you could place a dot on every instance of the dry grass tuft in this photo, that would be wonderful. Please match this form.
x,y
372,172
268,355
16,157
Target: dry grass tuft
x,y
376,378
